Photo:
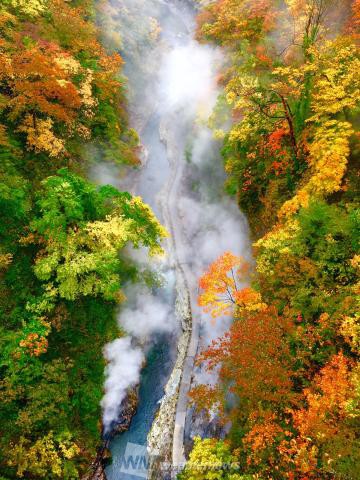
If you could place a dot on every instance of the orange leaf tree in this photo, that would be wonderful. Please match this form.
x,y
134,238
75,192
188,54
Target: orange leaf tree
x,y
221,283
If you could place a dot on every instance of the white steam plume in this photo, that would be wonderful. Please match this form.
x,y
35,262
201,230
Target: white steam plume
x,y
187,79
145,315
149,315
122,372
171,84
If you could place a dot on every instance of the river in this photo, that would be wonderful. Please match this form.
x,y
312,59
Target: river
x,y
173,90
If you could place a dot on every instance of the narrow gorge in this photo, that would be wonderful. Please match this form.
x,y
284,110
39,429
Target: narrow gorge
x,y
172,94
179,239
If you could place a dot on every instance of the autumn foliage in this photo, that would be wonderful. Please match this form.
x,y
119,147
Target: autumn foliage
x,y
289,365
62,265
53,89
220,284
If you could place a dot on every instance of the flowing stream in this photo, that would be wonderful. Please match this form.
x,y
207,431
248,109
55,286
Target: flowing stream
x,y
173,91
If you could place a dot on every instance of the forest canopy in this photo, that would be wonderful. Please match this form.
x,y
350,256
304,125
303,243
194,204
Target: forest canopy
x,y
61,262
288,385
289,365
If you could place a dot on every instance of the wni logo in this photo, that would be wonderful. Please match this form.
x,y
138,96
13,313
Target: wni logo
x,y
135,460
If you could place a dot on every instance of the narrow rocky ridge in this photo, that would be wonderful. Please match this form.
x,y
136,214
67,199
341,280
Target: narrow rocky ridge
x,y
166,437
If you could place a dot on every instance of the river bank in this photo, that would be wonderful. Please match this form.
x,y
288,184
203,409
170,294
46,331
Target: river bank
x,y
181,178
